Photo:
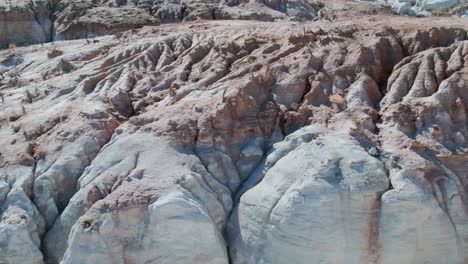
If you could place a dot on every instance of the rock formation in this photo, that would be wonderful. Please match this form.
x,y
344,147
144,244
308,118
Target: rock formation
x,y
38,21
26,22
425,7
234,141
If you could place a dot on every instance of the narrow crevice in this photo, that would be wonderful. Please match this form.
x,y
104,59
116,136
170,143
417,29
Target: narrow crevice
x,y
53,7
34,9
182,11
307,89
90,160
373,246
205,166
31,193
428,154
441,201
62,208
31,196
228,252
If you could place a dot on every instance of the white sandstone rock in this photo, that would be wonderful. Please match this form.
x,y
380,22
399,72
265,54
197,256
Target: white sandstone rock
x,y
296,213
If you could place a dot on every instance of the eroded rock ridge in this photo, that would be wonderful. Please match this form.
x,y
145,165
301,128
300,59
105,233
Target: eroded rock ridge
x,y
238,142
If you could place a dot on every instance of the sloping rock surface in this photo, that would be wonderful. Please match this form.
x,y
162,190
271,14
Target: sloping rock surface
x,y
239,142
37,21
425,7
26,22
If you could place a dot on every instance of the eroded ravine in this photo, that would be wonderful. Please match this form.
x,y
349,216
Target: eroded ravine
x,y
154,135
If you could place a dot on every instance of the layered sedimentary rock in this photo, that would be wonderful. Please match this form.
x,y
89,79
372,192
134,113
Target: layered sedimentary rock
x,y
238,142
317,201
425,8
39,21
24,22
432,149
323,197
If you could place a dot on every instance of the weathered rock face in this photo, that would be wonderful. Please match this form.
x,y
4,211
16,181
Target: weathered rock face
x,y
317,200
430,136
323,197
238,142
39,21
23,22
426,7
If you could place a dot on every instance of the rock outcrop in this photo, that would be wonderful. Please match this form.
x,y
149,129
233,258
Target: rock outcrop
x,y
426,7
239,142
26,22
318,199
39,21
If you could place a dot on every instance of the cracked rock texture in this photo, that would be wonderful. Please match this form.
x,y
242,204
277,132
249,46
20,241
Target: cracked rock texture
x,y
37,21
426,7
234,141
26,22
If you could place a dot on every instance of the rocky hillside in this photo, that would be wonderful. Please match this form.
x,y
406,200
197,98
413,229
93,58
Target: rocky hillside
x,y
26,22
38,21
429,7
341,140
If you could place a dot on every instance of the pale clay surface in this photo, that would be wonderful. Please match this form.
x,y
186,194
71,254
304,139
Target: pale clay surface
x,y
336,141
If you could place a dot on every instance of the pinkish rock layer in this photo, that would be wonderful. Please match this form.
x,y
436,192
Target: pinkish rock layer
x,y
240,142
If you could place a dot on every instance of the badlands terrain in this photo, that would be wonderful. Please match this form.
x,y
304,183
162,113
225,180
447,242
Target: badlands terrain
x,y
233,132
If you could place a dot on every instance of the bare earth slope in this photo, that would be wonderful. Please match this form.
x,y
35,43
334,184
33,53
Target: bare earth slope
x,y
25,22
239,142
36,21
